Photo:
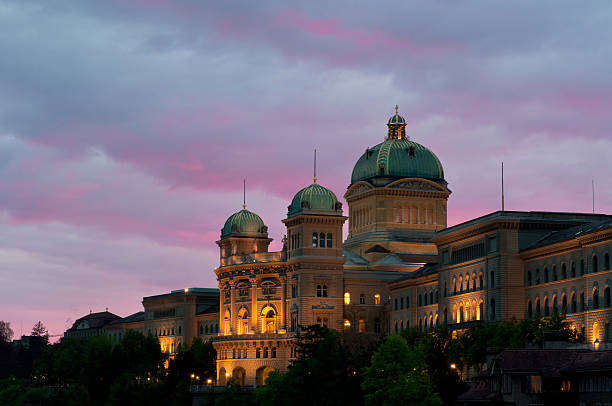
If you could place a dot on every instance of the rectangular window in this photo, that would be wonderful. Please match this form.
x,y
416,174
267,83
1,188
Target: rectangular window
x,y
329,240
361,298
362,325
533,384
506,384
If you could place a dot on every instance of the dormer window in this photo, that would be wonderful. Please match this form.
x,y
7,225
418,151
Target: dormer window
x,y
411,151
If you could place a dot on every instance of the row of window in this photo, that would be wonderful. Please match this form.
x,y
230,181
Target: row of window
x,y
362,298
553,276
423,299
209,329
243,353
462,313
465,284
360,217
165,331
413,215
362,325
573,305
319,240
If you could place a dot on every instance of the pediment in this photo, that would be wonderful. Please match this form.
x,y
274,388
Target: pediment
x,y
358,188
415,184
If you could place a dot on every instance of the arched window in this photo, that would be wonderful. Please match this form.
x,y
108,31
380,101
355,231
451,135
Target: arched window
x,y
425,299
546,308
319,291
581,267
546,274
460,314
529,309
270,321
480,314
492,281
437,296
573,267
377,298
595,298
607,296
474,281
538,310
564,304
324,290
528,278
467,282
445,293
395,304
420,324
315,240
420,300
480,281
431,296
401,302
573,300
555,308
460,284
595,264
445,319
329,240
454,286
492,309
581,301
396,327
607,261
407,302
554,272
347,298
563,271
537,276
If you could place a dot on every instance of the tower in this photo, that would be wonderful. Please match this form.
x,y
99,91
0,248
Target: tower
x,y
397,198
314,256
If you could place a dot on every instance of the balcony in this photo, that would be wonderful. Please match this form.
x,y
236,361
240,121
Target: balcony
x,y
258,257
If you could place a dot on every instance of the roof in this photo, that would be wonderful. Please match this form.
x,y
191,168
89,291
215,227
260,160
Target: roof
x,y
96,320
132,318
187,291
592,361
573,232
427,269
548,363
396,119
399,158
244,222
214,308
314,197
566,219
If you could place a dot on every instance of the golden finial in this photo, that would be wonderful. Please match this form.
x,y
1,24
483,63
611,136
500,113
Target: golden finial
x,y
396,109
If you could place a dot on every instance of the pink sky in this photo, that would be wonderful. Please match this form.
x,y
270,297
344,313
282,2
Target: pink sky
x,y
126,128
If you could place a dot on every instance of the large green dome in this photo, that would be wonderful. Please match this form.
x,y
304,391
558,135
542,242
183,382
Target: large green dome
x,y
243,222
398,158
314,197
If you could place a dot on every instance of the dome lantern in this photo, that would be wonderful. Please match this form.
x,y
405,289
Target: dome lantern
x,y
397,126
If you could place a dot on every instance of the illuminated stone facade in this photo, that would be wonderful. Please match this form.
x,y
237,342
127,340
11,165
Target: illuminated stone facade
x,y
399,267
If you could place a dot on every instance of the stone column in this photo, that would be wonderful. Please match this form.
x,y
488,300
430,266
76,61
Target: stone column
x,y
283,306
254,305
233,307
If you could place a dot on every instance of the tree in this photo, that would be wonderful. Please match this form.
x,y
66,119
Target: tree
x,y
6,333
398,376
320,375
39,330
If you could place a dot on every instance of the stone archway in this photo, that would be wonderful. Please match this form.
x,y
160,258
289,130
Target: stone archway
x,y
262,375
222,379
238,376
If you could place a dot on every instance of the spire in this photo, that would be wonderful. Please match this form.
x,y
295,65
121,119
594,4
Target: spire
x,y
243,194
397,126
314,179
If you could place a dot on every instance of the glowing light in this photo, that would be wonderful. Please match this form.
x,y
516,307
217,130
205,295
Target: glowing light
x,y
347,323
186,290
209,381
227,374
453,366
347,298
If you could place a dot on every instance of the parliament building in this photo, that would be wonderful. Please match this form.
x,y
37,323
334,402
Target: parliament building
x,y
400,267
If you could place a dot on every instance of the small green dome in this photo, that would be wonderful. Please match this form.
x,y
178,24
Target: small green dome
x,y
314,197
243,222
396,119
400,158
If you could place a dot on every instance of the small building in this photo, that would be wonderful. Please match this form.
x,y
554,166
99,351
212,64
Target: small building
x,y
117,329
91,325
544,377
